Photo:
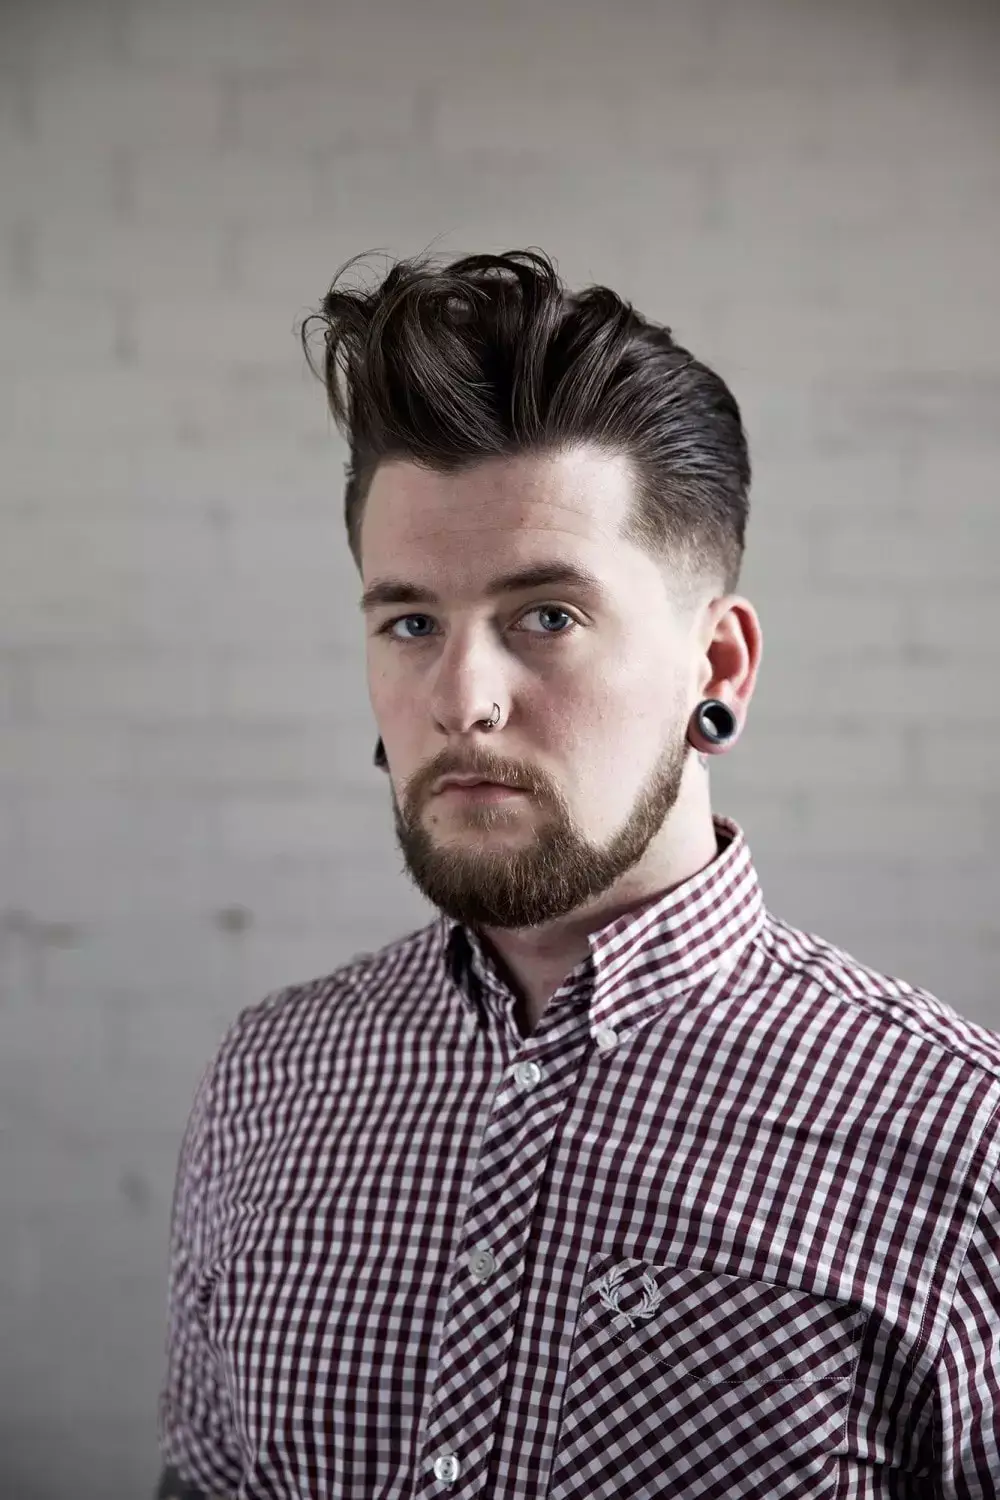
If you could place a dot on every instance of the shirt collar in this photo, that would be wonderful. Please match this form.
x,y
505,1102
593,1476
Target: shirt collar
x,y
647,958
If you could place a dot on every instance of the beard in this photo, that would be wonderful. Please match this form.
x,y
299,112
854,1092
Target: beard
x,y
492,872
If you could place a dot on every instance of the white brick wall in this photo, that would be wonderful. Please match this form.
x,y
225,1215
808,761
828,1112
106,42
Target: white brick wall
x,y
807,191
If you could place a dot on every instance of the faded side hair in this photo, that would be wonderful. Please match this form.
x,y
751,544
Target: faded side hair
x,y
491,355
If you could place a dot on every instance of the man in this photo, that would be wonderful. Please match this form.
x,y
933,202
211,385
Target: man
x,y
606,1182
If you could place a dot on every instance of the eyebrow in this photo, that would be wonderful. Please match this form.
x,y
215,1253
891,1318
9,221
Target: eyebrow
x,y
539,575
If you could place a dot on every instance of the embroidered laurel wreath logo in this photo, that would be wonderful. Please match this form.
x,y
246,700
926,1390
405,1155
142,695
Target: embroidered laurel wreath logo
x,y
609,1293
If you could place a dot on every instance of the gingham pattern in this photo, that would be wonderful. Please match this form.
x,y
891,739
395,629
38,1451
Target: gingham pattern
x,y
726,1224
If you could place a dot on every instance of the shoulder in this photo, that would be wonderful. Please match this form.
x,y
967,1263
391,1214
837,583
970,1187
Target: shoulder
x,y
833,972
296,1025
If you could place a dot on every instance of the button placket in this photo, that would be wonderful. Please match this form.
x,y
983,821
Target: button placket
x,y
481,1318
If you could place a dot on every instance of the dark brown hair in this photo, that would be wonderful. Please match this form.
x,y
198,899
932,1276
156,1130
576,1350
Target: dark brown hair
x,y
491,356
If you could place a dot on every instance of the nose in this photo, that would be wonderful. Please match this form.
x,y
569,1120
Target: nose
x,y
468,689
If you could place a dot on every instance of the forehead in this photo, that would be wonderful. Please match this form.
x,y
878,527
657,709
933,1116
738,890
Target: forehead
x,y
571,504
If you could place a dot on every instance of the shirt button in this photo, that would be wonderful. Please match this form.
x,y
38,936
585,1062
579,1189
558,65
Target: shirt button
x,y
528,1073
606,1038
446,1468
481,1264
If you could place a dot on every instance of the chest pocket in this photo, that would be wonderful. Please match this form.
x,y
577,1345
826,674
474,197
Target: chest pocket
x,y
690,1382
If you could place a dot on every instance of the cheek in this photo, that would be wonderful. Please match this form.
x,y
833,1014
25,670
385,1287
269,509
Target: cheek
x,y
608,730
598,705
383,691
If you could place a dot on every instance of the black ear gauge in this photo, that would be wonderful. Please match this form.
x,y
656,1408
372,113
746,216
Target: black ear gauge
x,y
380,758
714,722
717,721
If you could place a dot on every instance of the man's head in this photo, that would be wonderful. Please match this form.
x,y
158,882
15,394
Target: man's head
x,y
499,423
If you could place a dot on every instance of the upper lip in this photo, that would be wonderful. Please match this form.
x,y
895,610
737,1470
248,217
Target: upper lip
x,y
467,779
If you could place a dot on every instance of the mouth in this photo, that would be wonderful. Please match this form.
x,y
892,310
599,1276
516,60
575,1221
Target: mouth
x,y
447,783
480,781
480,791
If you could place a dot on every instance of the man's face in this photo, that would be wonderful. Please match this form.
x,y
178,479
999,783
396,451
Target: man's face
x,y
593,683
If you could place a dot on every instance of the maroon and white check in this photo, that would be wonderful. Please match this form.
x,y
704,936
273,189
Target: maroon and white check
x,y
726,1224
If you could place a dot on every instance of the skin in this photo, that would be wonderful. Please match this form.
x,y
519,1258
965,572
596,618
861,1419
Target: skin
x,y
596,692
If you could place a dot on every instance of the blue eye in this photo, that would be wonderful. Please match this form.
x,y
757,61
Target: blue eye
x,y
549,609
388,627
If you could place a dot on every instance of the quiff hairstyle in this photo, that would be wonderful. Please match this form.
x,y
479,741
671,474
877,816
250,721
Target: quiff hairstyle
x,y
492,356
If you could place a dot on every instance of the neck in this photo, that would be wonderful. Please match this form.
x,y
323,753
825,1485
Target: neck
x,y
534,961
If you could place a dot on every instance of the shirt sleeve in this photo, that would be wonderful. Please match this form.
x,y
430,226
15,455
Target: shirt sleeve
x,y
967,1419
196,1430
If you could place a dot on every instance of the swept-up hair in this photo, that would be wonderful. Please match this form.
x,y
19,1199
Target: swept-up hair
x,y
491,356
